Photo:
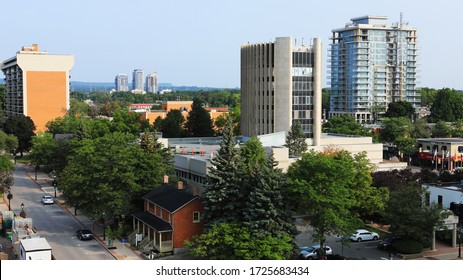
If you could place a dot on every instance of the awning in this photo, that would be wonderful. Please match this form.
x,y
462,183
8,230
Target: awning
x,y
153,222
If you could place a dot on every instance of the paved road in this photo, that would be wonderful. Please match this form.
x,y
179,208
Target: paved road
x,y
52,222
366,250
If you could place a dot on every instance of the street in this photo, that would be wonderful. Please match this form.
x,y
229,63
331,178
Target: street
x,y
52,222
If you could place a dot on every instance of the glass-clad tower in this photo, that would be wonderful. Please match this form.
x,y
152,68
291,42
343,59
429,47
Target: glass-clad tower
x,y
372,64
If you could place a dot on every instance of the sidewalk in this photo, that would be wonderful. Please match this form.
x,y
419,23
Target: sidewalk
x,y
119,250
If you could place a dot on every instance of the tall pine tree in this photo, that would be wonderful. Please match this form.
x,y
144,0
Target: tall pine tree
x,y
223,195
295,141
199,122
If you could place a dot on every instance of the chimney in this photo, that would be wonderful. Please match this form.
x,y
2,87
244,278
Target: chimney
x,y
166,179
180,185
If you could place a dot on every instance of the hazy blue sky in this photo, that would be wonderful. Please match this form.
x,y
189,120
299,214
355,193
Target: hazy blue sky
x,y
198,42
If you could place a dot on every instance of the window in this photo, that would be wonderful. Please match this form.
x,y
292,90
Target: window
x,y
196,217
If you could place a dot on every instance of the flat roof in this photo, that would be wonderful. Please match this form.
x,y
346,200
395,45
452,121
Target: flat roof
x,y
35,244
442,140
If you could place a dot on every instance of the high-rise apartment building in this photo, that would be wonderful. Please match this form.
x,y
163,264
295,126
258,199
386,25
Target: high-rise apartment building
x,y
152,83
372,63
281,84
137,82
37,85
122,82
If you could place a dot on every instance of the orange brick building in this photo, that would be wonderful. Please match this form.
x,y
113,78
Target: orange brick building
x,y
183,106
172,215
37,85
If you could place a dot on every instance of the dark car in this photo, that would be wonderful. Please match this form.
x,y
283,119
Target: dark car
x,y
84,234
386,243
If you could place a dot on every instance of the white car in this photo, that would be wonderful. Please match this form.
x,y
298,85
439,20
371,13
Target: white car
x,y
310,253
46,199
363,235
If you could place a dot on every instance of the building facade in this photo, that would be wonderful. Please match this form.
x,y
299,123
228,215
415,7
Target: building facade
x,y
37,85
137,81
281,84
373,63
122,82
152,83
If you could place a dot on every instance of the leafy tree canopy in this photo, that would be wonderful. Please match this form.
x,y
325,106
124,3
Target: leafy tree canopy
x,y
23,128
236,242
400,109
447,106
345,124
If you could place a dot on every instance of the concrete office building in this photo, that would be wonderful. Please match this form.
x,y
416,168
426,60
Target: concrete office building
x,y
152,83
373,63
281,84
37,85
122,82
137,82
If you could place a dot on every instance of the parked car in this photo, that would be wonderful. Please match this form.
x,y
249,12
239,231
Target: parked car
x,y
310,253
363,235
386,243
84,234
46,199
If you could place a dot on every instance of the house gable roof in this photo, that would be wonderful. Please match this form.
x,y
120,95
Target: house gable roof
x,y
169,197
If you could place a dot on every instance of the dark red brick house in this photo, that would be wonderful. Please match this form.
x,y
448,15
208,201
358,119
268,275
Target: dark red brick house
x,y
172,215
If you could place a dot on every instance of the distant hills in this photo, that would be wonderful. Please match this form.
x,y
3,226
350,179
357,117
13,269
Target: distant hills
x,y
103,86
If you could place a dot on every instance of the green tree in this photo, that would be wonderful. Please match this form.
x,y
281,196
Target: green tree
x,y
172,125
253,153
78,108
199,122
427,96
410,218
421,129
447,106
230,241
45,150
8,142
295,141
264,211
6,174
128,122
400,109
441,129
223,196
107,174
23,128
394,128
325,188
326,101
345,124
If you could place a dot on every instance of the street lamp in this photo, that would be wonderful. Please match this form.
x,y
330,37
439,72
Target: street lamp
x,y
104,226
10,197
55,184
22,214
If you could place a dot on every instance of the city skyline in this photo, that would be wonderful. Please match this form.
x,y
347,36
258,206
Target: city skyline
x,y
199,43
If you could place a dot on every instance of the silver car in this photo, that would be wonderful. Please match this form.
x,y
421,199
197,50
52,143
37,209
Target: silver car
x,y
46,199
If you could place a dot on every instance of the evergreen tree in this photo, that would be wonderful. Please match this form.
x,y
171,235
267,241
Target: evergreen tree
x,y
223,195
295,141
199,122
264,212
172,125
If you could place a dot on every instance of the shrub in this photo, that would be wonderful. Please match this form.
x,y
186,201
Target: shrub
x,y
407,246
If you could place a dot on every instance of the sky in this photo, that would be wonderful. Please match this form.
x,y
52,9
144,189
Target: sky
x,y
197,43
